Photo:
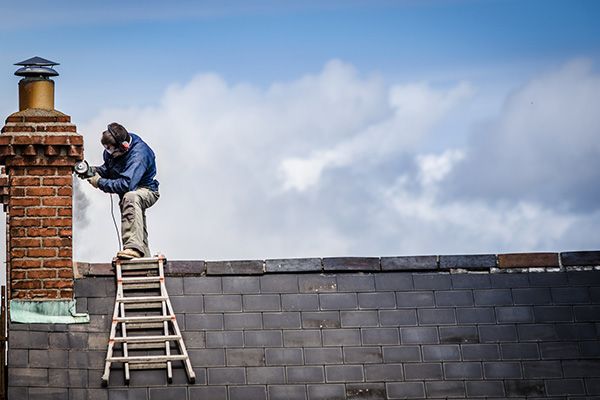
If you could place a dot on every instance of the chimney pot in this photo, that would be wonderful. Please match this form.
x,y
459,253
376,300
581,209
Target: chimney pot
x,y
36,89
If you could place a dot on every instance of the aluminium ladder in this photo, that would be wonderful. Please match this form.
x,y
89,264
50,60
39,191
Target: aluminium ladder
x,y
146,319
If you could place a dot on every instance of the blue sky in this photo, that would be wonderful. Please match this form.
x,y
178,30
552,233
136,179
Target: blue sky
x,y
403,100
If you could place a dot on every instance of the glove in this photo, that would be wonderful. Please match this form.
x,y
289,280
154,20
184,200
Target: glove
x,y
94,180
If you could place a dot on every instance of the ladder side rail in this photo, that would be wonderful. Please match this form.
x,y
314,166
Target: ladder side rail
x,y
167,345
165,295
124,344
182,349
113,329
188,365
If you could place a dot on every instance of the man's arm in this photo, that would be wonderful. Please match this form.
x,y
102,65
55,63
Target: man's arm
x,y
102,170
130,178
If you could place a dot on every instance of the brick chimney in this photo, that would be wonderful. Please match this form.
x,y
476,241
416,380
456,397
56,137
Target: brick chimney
x,y
38,148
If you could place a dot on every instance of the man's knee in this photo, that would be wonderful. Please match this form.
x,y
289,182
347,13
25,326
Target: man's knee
x,y
131,199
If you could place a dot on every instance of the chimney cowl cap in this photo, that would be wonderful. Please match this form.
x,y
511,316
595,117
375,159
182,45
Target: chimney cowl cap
x,y
37,67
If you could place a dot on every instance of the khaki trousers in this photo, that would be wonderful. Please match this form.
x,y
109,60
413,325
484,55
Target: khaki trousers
x,y
133,219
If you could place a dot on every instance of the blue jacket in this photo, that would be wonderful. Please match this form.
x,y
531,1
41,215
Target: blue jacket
x,y
136,168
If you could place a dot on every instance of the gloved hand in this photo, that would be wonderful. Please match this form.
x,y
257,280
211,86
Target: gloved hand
x,y
94,180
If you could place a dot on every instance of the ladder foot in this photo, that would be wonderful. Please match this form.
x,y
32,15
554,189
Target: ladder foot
x,y
104,382
193,380
170,380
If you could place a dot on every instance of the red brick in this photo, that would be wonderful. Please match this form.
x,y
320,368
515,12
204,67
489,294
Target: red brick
x,y
17,191
58,284
25,201
18,253
61,128
65,232
18,274
527,260
57,222
66,294
39,118
41,171
58,181
25,242
26,284
65,252
25,222
18,128
34,232
65,212
44,252
65,273
25,181
18,232
16,211
41,274
41,212
65,191
40,191
18,140
56,242
21,263
58,263
18,171
57,201
54,139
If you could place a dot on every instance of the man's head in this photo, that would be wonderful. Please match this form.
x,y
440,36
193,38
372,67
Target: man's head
x,y
116,139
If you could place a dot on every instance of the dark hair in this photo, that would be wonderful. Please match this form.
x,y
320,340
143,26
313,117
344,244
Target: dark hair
x,y
115,135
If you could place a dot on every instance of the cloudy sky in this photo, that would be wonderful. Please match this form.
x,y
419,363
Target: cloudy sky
x,y
293,129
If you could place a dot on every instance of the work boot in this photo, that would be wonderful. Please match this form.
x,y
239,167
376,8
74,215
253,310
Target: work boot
x,y
128,254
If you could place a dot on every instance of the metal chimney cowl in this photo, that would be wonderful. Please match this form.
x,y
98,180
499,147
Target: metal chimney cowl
x,y
36,89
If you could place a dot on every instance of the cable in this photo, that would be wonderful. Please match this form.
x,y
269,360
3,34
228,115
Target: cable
x,y
112,212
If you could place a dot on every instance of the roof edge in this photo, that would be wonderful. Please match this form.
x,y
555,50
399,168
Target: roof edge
x,y
425,263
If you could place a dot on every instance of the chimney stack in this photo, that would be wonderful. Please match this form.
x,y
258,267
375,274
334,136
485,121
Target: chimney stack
x,y
38,148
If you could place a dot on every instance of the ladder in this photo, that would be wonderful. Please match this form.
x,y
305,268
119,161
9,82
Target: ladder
x,y
146,319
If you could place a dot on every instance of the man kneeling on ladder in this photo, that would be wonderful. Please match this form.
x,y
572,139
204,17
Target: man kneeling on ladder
x,y
129,169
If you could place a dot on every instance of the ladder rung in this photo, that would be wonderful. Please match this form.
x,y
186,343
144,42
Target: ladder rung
x,y
141,279
145,325
146,339
148,366
140,261
149,318
146,346
141,299
138,286
148,359
140,267
142,306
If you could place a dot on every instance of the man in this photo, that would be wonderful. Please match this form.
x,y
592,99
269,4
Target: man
x,y
129,169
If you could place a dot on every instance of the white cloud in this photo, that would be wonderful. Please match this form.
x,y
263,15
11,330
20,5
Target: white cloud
x,y
433,168
542,147
470,226
329,164
414,109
